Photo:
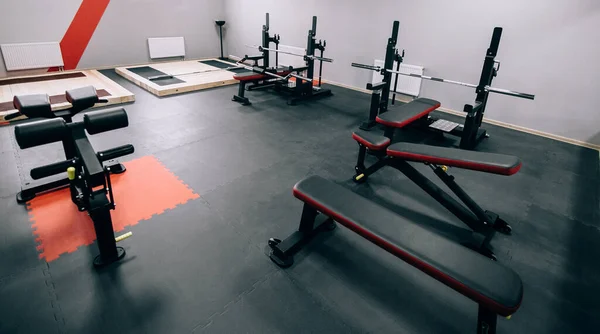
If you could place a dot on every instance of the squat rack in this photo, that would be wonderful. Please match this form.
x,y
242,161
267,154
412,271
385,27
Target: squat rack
x,y
470,133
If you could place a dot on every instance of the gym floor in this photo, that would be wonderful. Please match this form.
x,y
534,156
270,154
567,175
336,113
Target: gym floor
x,y
201,267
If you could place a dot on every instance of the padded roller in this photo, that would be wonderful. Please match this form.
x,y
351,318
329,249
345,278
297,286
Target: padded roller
x,y
105,120
33,106
82,98
40,132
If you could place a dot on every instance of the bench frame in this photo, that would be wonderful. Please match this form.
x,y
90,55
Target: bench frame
x,y
90,185
283,251
484,223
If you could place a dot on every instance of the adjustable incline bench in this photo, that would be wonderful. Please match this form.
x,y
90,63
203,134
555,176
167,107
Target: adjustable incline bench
x,y
483,223
88,179
497,289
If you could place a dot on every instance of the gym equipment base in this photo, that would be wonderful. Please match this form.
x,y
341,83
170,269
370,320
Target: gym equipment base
x,y
99,262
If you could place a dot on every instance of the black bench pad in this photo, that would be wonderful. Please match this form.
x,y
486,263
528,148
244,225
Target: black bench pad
x,y
371,140
405,114
475,276
485,162
84,97
34,105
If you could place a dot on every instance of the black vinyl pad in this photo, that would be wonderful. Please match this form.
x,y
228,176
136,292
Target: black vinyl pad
x,y
480,161
404,114
34,105
475,276
147,72
371,140
222,64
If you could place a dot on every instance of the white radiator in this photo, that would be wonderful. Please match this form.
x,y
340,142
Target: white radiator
x,y
163,47
25,56
406,85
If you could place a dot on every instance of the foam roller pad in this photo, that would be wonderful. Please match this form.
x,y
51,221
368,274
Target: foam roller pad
x,y
40,132
105,120
33,106
82,98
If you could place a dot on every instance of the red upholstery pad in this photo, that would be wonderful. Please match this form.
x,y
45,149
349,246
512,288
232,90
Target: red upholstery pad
x,y
371,140
252,76
481,161
403,115
473,275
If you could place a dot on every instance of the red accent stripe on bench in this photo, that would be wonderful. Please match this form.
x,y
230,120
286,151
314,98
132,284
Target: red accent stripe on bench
x,y
455,163
410,259
407,121
368,144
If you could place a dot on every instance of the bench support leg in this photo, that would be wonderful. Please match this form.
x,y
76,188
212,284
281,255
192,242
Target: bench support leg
x,y
489,218
282,251
373,111
460,211
99,211
486,321
362,173
240,95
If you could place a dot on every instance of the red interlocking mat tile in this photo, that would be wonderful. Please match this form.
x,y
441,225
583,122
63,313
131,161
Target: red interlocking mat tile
x,y
147,188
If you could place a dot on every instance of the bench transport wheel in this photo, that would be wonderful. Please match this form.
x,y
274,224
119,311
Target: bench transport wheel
x,y
280,259
100,262
503,227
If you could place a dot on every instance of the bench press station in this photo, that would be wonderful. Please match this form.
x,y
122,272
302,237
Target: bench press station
x,y
88,179
470,132
483,223
497,290
263,76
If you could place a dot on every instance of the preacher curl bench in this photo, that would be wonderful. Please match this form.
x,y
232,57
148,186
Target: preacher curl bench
x,y
497,290
483,223
88,179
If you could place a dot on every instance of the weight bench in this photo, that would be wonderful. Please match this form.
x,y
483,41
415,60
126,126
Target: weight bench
x,y
87,177
483,223
256,77
497,289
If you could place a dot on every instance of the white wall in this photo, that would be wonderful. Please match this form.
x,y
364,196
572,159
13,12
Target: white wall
x,y
548,48
120,37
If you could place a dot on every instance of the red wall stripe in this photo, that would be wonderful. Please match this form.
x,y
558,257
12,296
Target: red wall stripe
x,y
80,31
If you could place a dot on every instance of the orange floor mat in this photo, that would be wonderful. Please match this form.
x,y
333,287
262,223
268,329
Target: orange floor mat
x,y
147,188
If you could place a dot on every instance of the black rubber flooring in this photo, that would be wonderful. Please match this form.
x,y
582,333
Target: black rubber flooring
x,y
202,268
220,64
147,72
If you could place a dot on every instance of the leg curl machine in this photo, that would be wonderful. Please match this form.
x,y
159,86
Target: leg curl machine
x,y
88,179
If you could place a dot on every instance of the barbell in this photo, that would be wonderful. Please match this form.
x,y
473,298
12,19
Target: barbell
x,y
487,88
261,49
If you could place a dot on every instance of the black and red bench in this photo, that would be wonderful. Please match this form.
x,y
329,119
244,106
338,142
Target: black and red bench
x,y
483,223
497,290
258,78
